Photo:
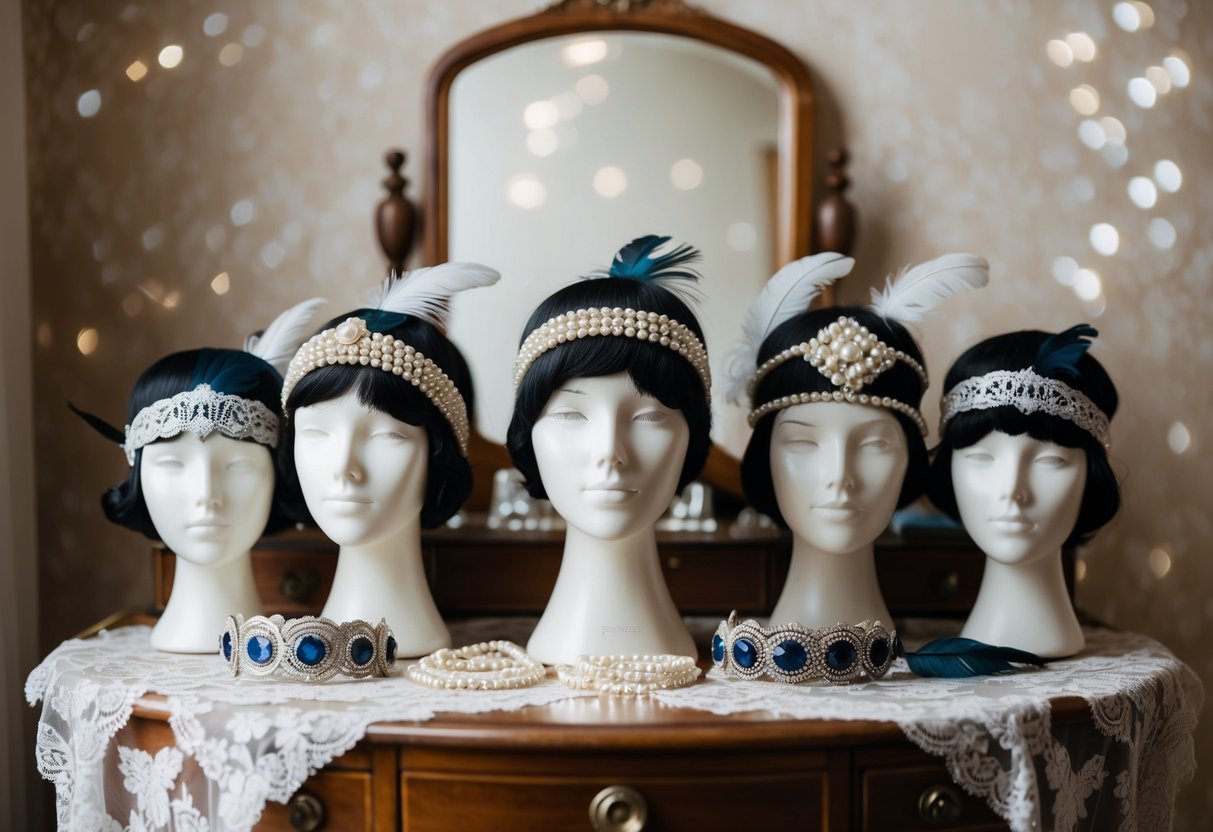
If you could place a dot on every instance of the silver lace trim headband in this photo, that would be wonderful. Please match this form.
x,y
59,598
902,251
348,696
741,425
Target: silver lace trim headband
x,y
350,342
851,357
1027,392
201,411
792,654
626,323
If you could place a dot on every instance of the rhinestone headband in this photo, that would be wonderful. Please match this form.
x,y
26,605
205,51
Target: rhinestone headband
x,y
791,653
350,342
201,411
306,649
625,323
851,357
1027,392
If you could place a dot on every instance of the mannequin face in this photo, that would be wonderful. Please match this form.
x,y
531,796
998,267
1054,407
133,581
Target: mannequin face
x,y
837,469
209,500
362,472
1018,497
609,456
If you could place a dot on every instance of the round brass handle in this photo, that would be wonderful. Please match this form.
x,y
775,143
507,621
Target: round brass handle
x,y
618,809
939,805
307,812
297,585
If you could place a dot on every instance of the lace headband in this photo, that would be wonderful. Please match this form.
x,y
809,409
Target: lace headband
x,y
351,343
201,411
1028,392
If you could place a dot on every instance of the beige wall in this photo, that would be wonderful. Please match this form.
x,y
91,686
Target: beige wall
x,y
962,135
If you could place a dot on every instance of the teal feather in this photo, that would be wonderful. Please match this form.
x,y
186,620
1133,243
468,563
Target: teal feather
x,y
956,657
638,261
229,371
1058,356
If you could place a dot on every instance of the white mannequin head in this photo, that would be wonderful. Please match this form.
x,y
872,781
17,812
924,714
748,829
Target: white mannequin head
x,y
208,499
837,470
1018,497
362,471
610,456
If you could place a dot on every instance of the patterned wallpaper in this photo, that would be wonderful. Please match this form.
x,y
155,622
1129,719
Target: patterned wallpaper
x,y
197,166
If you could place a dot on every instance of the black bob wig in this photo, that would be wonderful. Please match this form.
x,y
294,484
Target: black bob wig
x,y
1017,351
656,370
227,371
449,476
899,382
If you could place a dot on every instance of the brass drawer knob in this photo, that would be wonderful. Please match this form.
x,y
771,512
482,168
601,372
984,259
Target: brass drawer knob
x,y
306,812
618,809
938,805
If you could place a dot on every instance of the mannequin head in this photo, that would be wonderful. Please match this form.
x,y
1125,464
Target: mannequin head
x,y
357,433
885,468
1039,465
654,372
157,499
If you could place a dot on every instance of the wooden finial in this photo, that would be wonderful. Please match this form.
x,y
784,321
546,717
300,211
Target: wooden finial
x,y
836,217
396,216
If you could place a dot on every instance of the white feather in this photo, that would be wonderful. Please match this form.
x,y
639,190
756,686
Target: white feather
x,y
914,293
278,343
784,296
426,293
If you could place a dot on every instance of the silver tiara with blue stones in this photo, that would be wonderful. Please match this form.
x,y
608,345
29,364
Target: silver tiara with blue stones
x,y
791,653
306,649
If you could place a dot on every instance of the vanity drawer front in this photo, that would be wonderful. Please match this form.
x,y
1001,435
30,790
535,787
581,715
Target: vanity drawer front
x,y
910,791
432,803
328,800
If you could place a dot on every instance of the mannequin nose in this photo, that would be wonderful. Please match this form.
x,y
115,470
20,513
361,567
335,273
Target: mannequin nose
x,y
349,465
208,488
1014,486
839,475
611,451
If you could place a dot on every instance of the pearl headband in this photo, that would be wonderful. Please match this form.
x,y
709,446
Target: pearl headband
x,y
1028,392
350,342
615,322
851,357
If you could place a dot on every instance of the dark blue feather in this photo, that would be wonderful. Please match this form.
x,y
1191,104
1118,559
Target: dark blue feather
x,y
1058,355
378,320
229,371
636,260
100,425
956,657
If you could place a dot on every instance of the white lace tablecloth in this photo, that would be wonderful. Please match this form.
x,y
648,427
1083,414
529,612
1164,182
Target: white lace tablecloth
x,y
241,742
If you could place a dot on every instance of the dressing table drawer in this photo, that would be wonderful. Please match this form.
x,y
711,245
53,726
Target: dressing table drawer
x,y
328,800
909,791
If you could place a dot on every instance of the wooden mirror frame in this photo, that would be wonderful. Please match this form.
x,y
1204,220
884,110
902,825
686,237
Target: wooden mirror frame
x,y
795,220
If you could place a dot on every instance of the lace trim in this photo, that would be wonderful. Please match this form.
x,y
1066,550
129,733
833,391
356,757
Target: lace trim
x,y
201,411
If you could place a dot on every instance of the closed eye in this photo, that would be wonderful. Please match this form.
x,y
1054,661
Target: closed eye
x,y
313,433
655,416
567,415
979,457
168,463
1051,460
240,464
392,435
876,444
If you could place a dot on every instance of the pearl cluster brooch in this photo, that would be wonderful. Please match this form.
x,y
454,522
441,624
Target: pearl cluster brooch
x,y
792,653
629,675
352,343
626,323
489,665
851,357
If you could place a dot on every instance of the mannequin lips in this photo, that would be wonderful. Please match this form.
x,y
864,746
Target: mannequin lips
x,y
1012,523
206,527
345,502
611,492
839,510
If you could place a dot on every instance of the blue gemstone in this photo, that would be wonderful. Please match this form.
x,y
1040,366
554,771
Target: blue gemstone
x,y
717,649
840,655
878,652
310,650
744,652
391,651
260,649
226,644
790,656
362,650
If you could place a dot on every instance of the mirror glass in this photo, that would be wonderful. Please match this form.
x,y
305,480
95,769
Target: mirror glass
x,y
563,149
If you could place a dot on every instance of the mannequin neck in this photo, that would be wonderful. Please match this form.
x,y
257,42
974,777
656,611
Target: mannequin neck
x,y
824,587
1026,605
202,598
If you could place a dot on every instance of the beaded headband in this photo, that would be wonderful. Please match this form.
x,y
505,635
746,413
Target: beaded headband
x,y
1028,392
851,357
306,649
201,411
791,653
614,322
350,342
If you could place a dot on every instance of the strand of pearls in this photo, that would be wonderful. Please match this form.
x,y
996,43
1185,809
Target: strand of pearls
x,y
489,665
784,402
629,675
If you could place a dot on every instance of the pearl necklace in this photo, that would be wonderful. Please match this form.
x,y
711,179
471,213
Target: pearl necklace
x,y
489,665
629,675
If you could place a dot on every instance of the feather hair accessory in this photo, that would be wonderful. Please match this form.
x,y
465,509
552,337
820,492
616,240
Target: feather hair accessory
x,y
638,260
957,657
278,342
426,293
788,293
915,292
1059,354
